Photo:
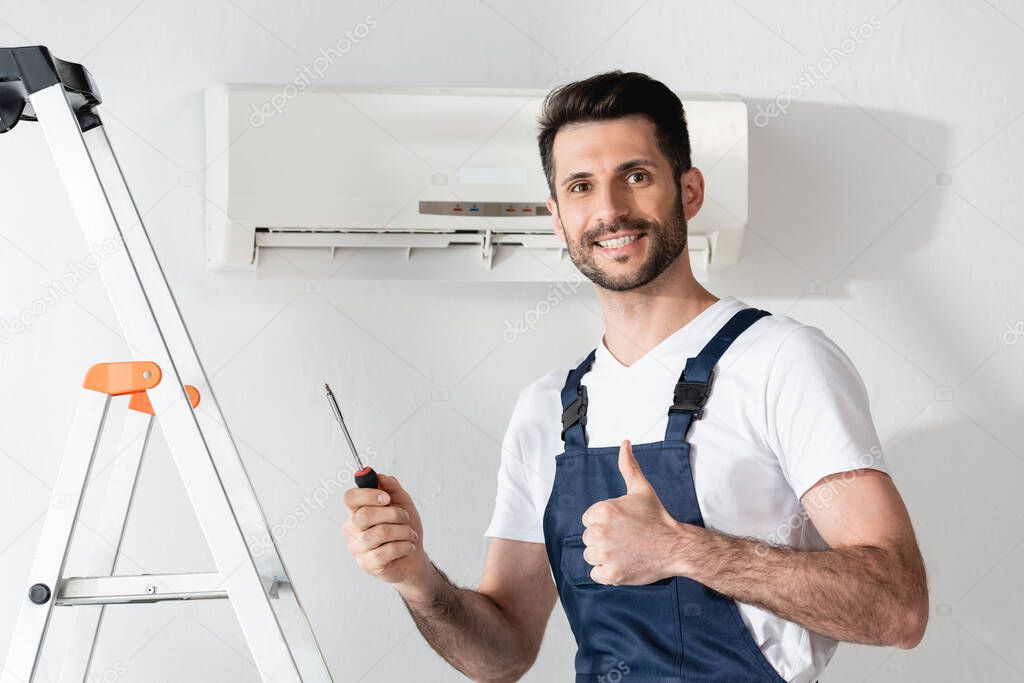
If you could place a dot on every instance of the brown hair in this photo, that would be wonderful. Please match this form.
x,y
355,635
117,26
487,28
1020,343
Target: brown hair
x,y
612,95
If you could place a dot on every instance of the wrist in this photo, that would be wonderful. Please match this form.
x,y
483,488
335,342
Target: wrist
x,y
421,586
685,548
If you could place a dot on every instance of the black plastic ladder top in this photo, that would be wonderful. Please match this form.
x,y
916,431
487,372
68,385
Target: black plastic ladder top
x,y
25,71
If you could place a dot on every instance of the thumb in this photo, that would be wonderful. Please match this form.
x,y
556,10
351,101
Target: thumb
x,y
634,477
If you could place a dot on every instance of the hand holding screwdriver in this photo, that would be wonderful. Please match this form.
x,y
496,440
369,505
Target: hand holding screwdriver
x,y
383,528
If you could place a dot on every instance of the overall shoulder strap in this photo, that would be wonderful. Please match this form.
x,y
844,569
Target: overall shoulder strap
x,y
694,384
574,404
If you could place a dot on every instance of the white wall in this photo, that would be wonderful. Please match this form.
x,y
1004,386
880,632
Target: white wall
x,y
853,229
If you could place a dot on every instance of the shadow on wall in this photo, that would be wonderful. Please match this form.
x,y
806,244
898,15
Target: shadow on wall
x,y
825,183
872,209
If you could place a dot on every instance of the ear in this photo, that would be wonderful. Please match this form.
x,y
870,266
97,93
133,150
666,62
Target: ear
x,y
691,186
556,219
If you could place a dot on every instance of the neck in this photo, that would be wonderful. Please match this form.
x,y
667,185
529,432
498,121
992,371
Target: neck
x,y
639,319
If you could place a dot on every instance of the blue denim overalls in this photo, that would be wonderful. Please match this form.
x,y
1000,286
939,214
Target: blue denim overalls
x,y
671,630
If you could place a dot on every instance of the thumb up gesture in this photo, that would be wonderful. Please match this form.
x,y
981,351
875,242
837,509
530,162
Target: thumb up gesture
x,y
630,540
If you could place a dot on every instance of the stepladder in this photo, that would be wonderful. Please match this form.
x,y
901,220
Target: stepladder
x,y
164,385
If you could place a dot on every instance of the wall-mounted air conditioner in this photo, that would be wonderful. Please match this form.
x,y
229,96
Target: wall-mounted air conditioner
x,y
421,183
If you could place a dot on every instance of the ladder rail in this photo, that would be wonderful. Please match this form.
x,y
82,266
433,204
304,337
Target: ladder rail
x,y
55,538
155,330
256,532
35,86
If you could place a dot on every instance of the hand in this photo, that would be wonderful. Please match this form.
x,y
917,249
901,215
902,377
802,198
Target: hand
x,y
630,539
384,532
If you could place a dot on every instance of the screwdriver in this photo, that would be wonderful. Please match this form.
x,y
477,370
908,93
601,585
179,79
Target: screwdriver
x,y
366,478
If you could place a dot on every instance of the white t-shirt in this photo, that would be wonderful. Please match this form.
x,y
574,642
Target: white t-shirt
x,y
787,407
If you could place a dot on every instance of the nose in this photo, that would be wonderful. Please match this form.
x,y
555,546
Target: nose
x,y
613,204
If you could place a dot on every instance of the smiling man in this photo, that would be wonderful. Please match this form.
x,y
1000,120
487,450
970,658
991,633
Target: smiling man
x,y
704,491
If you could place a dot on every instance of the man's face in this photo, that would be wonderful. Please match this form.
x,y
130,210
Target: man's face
x,y
620,209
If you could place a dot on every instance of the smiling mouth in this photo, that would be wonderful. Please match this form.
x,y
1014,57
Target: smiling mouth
x,y
617,242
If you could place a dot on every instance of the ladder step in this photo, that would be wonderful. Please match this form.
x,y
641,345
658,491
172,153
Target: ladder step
x,y
140,588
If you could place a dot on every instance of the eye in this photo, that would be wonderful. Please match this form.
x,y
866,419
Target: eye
x,y
577,186
640,175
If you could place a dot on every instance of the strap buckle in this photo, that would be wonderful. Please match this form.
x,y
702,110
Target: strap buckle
x,y
576,412
689,397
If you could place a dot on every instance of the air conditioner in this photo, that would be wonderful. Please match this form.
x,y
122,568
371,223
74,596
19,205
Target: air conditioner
x,y
421,183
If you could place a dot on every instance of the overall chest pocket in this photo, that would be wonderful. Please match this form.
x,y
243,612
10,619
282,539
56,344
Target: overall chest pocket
x,y
636,624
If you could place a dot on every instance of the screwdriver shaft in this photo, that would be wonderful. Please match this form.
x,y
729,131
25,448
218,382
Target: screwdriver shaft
x,y
365,476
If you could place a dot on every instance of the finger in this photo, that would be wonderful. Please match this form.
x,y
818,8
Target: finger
x,y
357,498
600,574
634,477
592,556
595,514
380,534
394,489
366,517
381,557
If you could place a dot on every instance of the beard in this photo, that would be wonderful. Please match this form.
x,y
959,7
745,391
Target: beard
x,y
665,244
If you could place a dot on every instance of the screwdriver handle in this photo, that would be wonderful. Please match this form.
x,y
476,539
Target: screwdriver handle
x,y
366,478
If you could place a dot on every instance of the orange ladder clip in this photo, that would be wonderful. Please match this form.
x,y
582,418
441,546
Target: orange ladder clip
x,y
131,377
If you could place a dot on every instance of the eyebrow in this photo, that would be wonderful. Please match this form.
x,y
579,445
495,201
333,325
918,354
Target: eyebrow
x,y
626,165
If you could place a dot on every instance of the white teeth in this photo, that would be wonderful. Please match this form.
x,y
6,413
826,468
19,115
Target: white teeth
x,y
618,242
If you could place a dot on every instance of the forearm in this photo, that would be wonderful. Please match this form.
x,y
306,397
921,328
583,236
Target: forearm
x,y
467,628
858,594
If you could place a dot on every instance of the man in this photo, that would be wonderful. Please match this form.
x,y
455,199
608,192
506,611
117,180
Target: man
x,y
753,524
